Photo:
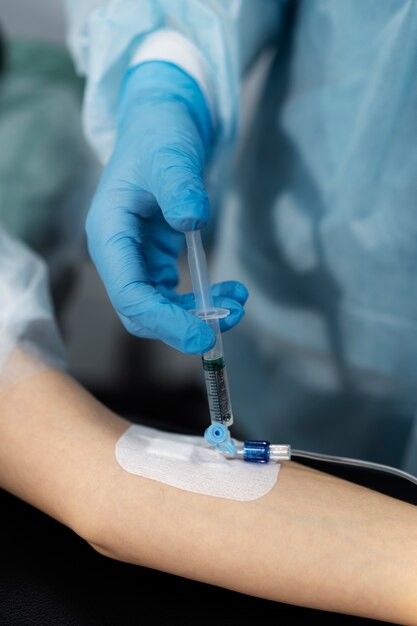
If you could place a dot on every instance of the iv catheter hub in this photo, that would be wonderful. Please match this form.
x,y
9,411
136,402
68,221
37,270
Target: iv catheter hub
x,y
252,451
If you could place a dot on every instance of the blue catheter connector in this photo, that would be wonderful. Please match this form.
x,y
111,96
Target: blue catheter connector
x,y
256,451
252,451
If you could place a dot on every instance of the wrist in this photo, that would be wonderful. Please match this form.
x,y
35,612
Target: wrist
x,y
173,47
155,83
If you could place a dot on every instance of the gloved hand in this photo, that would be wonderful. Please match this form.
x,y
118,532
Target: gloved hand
x,y
150,191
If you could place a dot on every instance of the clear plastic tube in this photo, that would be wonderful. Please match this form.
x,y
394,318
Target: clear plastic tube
x,y
317,456
262,452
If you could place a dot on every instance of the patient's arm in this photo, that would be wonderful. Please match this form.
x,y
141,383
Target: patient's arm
x,y
314,540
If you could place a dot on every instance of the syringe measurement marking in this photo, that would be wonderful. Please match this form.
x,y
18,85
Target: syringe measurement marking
x,y
218,400
218,397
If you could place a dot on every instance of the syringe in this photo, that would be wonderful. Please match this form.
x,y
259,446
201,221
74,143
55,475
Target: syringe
x,y
213,361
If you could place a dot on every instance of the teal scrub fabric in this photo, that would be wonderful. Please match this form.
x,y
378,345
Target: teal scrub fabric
x,y
324,232
47,170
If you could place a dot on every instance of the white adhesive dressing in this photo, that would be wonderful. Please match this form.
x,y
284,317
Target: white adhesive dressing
x,y
188,463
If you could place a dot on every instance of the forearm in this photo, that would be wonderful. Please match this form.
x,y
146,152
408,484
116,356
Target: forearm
x,y
313,540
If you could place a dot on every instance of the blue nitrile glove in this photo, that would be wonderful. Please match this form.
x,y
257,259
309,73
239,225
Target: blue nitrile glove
x,y
152,188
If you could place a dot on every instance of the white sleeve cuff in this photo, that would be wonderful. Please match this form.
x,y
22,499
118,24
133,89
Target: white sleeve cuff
x,y
169,45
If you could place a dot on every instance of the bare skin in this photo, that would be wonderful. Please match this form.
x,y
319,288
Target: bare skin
x,y
314,540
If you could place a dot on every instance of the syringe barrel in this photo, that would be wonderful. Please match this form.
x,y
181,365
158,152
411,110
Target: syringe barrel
x,y
217,385
217,350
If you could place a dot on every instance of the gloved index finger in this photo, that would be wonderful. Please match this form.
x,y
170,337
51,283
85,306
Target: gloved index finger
x,y
165,127
180,189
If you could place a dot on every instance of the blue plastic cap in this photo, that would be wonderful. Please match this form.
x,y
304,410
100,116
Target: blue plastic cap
x,y
256,451
215,434
218,435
